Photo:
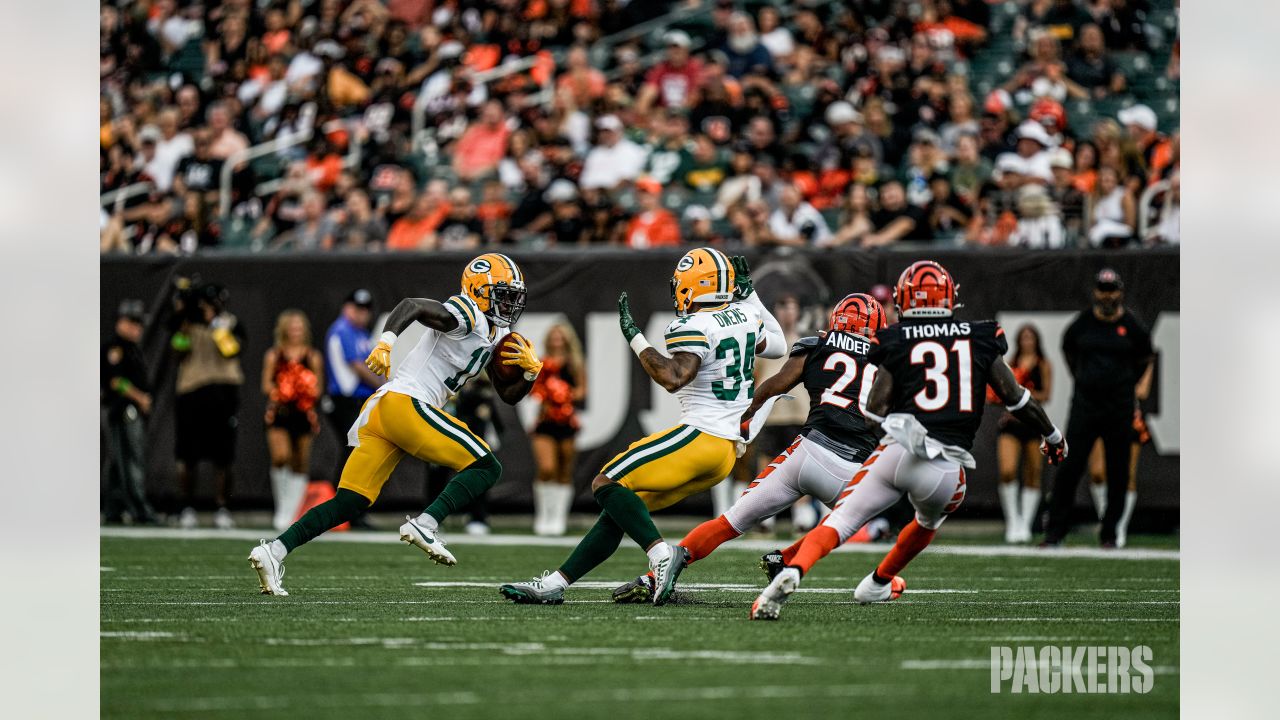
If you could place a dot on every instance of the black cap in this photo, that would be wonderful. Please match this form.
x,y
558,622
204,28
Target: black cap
x,y
132,309
361,297
1108,280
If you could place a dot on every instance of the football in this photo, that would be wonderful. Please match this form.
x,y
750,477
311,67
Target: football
x,y
499,371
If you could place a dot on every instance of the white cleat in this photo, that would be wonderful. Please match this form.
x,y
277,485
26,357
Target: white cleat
x,y
870,591
427,541
546,589
188,520
665,573
770,602
270,570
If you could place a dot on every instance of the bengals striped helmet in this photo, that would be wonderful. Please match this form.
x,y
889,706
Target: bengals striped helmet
x,y
860,314
925,289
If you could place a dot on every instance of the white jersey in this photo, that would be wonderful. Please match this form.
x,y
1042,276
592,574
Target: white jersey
x,y
725,340
441,363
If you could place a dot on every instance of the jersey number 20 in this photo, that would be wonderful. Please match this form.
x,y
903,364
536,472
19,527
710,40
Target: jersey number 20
x,y
937,392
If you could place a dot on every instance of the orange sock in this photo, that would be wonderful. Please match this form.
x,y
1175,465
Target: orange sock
x,y
704,539
789,553
911,541
820,541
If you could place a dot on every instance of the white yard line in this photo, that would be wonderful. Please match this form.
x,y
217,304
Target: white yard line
x,y
753,545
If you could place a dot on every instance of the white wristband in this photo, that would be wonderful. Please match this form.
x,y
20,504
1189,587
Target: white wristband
x,y
1054,437
1026,397
639,344
388,337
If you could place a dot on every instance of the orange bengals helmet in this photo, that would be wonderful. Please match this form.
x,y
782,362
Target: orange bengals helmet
x,y
860,314
925,289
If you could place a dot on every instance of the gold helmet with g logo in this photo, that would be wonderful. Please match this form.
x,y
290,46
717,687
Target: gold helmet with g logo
x,y
703,275
496,285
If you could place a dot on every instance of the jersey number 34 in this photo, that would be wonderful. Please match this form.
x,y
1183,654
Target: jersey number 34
x,y
741,370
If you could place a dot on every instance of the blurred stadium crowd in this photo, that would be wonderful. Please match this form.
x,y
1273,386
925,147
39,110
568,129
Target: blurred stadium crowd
x,y
365,125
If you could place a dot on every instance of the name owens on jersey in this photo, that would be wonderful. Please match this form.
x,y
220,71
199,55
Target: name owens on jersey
x,y
441,363
838,377
940,370
725,341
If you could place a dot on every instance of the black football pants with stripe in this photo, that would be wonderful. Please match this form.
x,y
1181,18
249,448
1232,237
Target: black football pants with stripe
x,y
1083,430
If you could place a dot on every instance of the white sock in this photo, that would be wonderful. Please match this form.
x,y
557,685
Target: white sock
x,y
658,553
555,580
1099,493
427,522
561,502
278,550
541,506
1030,502
1122,526
297,491
1009,503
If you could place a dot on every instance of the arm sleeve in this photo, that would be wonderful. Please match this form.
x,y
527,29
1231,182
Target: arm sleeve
x,y
685,337
775,344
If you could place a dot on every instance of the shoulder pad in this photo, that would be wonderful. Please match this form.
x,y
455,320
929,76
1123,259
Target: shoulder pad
x,y
805,345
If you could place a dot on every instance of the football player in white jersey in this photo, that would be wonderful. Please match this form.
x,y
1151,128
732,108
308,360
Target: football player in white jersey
x,y
405,415
721,328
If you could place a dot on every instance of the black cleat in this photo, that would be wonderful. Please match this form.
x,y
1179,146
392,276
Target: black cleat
x,y
638,591
771,563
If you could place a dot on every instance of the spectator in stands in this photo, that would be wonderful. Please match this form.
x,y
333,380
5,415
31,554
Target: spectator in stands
x,y
416,230
483,144
1085,176
565,221
961,121
668,146
1167,229
674,82
1039,225
742,47
855,217
969,170
796,222
614,160
1090,67
126,402
460,229
699,228
895,219
1113,211
1033,147
493,212
1155,150
849,136
208,341
314,230
291,372
584,83
775,36
200,172
702,166
652,225
359,226
1065,195
948,216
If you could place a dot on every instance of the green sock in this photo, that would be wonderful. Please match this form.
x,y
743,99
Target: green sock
x,y
345,505
628,511
469,484
600,542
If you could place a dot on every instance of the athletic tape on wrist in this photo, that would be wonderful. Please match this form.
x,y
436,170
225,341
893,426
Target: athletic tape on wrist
x,y
639,344
1054,437
388,337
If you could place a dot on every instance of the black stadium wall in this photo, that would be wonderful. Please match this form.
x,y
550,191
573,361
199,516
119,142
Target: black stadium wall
x,y
1045,288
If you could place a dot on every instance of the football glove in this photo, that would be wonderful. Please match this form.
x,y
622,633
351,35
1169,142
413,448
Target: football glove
x,y
741,277
629,329
525,358
379,360
1056,452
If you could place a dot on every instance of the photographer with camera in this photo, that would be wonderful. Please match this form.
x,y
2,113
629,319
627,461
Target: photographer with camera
x,y
208,341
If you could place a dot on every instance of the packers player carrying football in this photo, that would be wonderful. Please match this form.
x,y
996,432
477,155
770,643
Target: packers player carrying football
x,y
722,326
405,415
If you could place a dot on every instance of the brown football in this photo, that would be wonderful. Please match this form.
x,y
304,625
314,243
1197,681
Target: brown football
x,y
505,374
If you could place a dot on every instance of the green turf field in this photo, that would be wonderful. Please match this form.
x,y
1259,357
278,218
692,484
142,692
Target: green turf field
x,y
373,630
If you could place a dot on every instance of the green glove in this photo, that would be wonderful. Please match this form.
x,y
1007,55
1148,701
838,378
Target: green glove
x,y
628,325
180,342
741,278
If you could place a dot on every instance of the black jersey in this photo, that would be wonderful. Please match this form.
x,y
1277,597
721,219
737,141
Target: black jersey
x,y
940,369
837,375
